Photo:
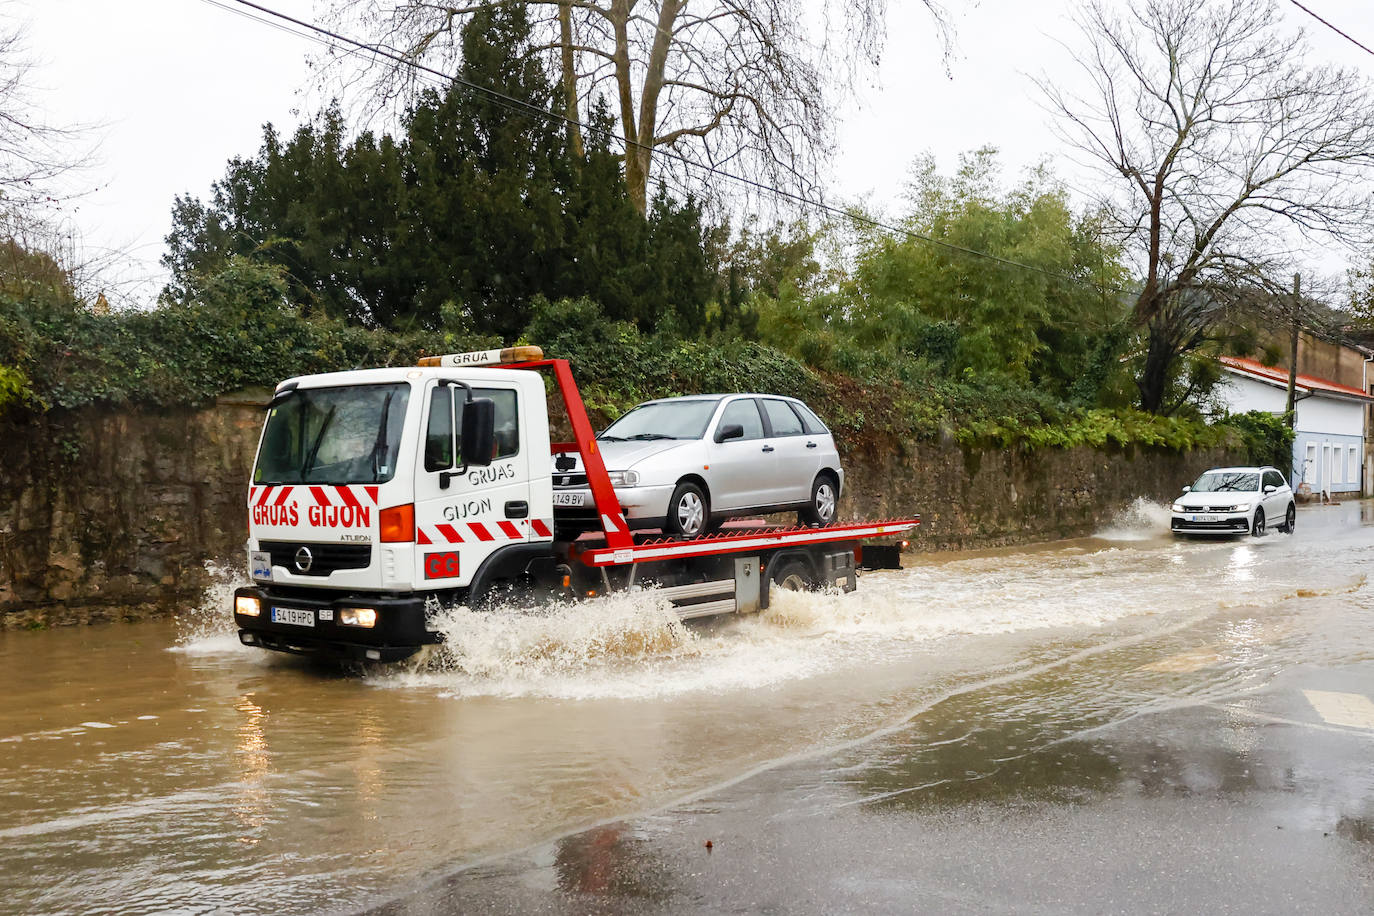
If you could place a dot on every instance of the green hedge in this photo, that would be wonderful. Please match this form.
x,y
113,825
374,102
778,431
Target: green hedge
x,y
241,333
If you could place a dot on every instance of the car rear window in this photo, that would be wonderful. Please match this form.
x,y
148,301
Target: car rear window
x,y
813,424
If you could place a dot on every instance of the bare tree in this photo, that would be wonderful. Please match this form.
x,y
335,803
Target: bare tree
x,y
720,82
32,151
1220,149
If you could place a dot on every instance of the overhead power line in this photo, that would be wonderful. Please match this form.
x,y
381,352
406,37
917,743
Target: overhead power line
x,y
314,32
1346,35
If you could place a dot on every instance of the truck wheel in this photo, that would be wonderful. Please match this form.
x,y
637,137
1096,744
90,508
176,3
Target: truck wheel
x,y
825,497
793,576
688,511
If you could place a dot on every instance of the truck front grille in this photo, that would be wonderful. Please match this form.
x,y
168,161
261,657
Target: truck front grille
x,y
324,558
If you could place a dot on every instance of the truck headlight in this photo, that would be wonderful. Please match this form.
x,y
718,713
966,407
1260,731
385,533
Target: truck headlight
x,y
358,617
247,605
623,478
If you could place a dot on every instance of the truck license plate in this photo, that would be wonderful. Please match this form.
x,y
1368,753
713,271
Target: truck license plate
x,y
567,499
1206,518
294,616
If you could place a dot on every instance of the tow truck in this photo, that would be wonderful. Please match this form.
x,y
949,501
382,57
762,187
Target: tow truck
x,y
381,497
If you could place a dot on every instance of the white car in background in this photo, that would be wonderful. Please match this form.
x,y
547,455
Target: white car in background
x,y
1235,501
684,464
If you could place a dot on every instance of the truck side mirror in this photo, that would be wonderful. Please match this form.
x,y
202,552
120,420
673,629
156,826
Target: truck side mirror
x,y
479,432
730,431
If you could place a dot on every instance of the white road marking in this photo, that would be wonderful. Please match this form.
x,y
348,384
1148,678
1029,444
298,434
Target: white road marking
x,y
1349,709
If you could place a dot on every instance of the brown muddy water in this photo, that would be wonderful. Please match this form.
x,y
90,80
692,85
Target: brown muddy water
x,y
163,767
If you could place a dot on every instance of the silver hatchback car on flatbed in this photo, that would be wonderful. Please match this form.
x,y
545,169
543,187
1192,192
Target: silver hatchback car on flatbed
x,y
685,464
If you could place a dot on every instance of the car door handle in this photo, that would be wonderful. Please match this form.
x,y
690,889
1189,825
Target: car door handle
x,y
810,445
768,448
517,508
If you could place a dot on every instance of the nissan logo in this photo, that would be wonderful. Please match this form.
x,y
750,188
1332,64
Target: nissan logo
x,y
304,559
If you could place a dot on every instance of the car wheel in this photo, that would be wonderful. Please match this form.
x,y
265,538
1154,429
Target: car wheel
x,y
825,498
1290,520
793,576
688,511
1257,526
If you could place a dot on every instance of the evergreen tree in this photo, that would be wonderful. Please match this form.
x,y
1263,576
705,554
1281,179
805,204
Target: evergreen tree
x,y
479,207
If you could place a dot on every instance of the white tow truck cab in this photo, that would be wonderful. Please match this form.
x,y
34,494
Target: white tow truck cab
x,y
381,496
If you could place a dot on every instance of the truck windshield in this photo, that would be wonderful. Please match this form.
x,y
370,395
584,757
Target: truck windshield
x,y
1216,482
333,436
663,420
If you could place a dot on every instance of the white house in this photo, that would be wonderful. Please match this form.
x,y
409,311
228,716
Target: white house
x,y
1329,421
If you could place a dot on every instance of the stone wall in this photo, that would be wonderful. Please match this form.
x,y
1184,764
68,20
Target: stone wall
x,y
108,515
992,497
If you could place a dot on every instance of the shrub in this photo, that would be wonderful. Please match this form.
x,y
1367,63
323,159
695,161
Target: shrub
x,y
1266,437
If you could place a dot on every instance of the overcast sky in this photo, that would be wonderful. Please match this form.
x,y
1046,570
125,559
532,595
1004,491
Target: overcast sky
x,y
177,87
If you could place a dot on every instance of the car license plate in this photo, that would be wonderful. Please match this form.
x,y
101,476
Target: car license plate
x,y
1206,518
567,499
294,616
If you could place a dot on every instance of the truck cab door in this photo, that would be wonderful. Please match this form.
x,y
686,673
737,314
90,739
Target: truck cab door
x,y
466,513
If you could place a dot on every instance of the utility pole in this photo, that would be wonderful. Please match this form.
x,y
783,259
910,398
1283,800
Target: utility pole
x,y
1288,412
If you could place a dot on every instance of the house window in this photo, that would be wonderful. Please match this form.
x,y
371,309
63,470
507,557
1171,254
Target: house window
x,y
1353,469
1309,465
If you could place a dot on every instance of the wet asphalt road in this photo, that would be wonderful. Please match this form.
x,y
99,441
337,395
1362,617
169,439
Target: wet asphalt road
x,y
1223,764
1123,723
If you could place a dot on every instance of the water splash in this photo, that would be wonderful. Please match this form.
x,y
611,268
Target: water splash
x,y
208,628
1142,520
632,646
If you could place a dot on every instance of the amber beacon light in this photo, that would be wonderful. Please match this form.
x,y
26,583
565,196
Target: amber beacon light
x,y
484,357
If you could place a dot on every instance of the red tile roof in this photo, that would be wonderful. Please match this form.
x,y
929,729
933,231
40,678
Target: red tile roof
x,y
1258,370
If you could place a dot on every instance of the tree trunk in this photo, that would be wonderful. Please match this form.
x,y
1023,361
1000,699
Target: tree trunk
x,y
565,34
1159,362
636,167
1289,413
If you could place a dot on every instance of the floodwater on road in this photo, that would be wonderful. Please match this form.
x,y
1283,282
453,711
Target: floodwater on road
x,y
162,766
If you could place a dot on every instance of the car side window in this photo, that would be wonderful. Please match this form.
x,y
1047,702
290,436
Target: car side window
x,y
781,418
440,430
745,412
507,425
1273,479
813,424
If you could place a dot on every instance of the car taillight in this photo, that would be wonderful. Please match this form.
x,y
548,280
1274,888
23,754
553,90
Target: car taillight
x,y
398,524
